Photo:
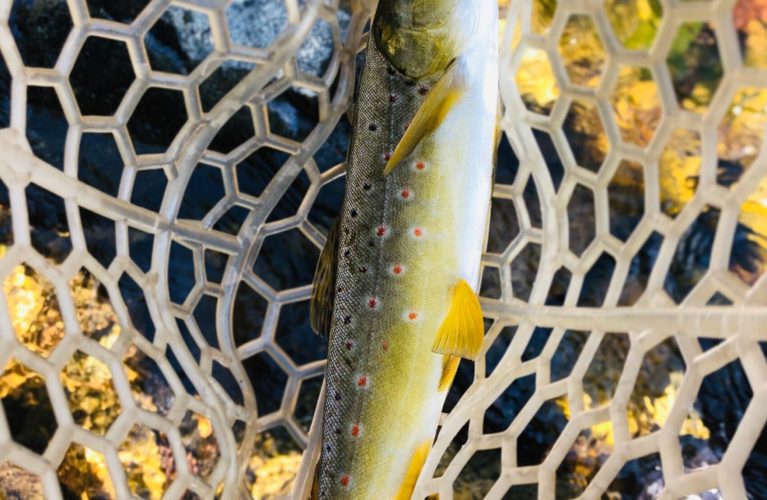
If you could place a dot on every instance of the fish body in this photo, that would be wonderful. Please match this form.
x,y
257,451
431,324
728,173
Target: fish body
x,y
396,280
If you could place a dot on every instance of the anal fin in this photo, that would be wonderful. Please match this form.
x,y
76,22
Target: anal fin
x,y
462,330
413,471
438,103
321,305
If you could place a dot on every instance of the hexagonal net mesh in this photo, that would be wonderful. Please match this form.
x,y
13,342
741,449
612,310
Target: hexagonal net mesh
x,y
170,169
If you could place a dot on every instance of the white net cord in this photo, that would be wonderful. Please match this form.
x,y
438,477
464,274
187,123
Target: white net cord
x,y
191,190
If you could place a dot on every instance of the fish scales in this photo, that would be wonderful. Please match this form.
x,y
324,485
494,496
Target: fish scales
x,y
406,239
356,340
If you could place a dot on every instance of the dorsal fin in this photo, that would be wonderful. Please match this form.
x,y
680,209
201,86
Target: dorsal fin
x,y
438,103
314,494
462,330
321,305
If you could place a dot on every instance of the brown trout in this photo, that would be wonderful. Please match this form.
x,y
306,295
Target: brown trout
x,y
395,286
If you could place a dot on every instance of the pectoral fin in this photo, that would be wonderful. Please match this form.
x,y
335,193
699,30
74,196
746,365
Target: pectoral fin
x,y
438,103
463,328
321,305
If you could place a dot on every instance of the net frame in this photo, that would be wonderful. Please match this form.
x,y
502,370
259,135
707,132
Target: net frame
x,y
655,316
275,70
652,319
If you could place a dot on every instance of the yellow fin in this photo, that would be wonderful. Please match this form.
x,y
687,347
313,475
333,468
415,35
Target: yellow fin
x,y
321,305
449,367
462,330
438,103
413,470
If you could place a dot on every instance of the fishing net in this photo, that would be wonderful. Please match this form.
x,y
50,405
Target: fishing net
x,y
164,204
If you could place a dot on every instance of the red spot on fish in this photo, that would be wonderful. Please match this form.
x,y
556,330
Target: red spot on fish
x,y
362,381
420,165
423,90
344,480
387,155
397,269
373,303
406,194
385,345
355,430
382,231
417,232
412,316
363,269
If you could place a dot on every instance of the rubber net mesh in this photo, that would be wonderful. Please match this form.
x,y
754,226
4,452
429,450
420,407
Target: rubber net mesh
x,y
157,341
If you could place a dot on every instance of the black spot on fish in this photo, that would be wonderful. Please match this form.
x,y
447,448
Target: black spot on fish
x,y
340,289
347,320
372,127
347,253
392,97
366,186
390,70
363,269
337,398
353,212
371,243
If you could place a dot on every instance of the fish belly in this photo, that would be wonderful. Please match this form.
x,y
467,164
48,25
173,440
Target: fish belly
x,y
406,239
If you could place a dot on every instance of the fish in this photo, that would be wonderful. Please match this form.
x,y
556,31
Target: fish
x,y
395,290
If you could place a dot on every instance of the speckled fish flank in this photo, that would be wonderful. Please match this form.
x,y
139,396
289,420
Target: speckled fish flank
x,y
405,257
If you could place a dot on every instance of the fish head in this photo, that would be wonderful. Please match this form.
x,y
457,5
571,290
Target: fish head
x,y
422,37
